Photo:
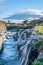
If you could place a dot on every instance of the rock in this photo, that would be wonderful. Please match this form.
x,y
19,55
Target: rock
x,y
40,56
2,31
1,43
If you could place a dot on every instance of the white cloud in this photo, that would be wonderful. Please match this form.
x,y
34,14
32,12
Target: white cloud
x,y
31,11
10,13
37,12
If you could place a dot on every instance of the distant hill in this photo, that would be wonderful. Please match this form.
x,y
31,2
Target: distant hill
x,y
23,16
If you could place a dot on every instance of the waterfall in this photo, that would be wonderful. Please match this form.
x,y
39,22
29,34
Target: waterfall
x,y
27,60
11,52
24,56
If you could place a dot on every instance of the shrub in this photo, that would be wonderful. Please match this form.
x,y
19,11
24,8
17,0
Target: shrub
x,y
36,44
36,63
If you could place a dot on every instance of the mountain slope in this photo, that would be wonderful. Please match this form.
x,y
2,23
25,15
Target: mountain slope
x,y
23,16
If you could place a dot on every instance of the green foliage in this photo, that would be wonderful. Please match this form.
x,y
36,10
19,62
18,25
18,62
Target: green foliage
x,y
36,63
36,44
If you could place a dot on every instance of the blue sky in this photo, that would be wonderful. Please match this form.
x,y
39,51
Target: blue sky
x,y
9,7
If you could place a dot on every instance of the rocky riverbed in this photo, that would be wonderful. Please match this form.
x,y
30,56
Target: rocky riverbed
x,y
21,47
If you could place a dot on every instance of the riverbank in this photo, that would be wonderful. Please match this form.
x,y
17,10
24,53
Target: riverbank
x,y
2,32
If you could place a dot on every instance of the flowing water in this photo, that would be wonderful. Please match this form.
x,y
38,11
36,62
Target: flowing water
x,y
16,48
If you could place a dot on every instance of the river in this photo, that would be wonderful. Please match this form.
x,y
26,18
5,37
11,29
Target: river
x,y
17,47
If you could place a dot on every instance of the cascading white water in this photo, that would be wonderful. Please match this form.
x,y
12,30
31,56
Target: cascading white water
x,y
10,51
